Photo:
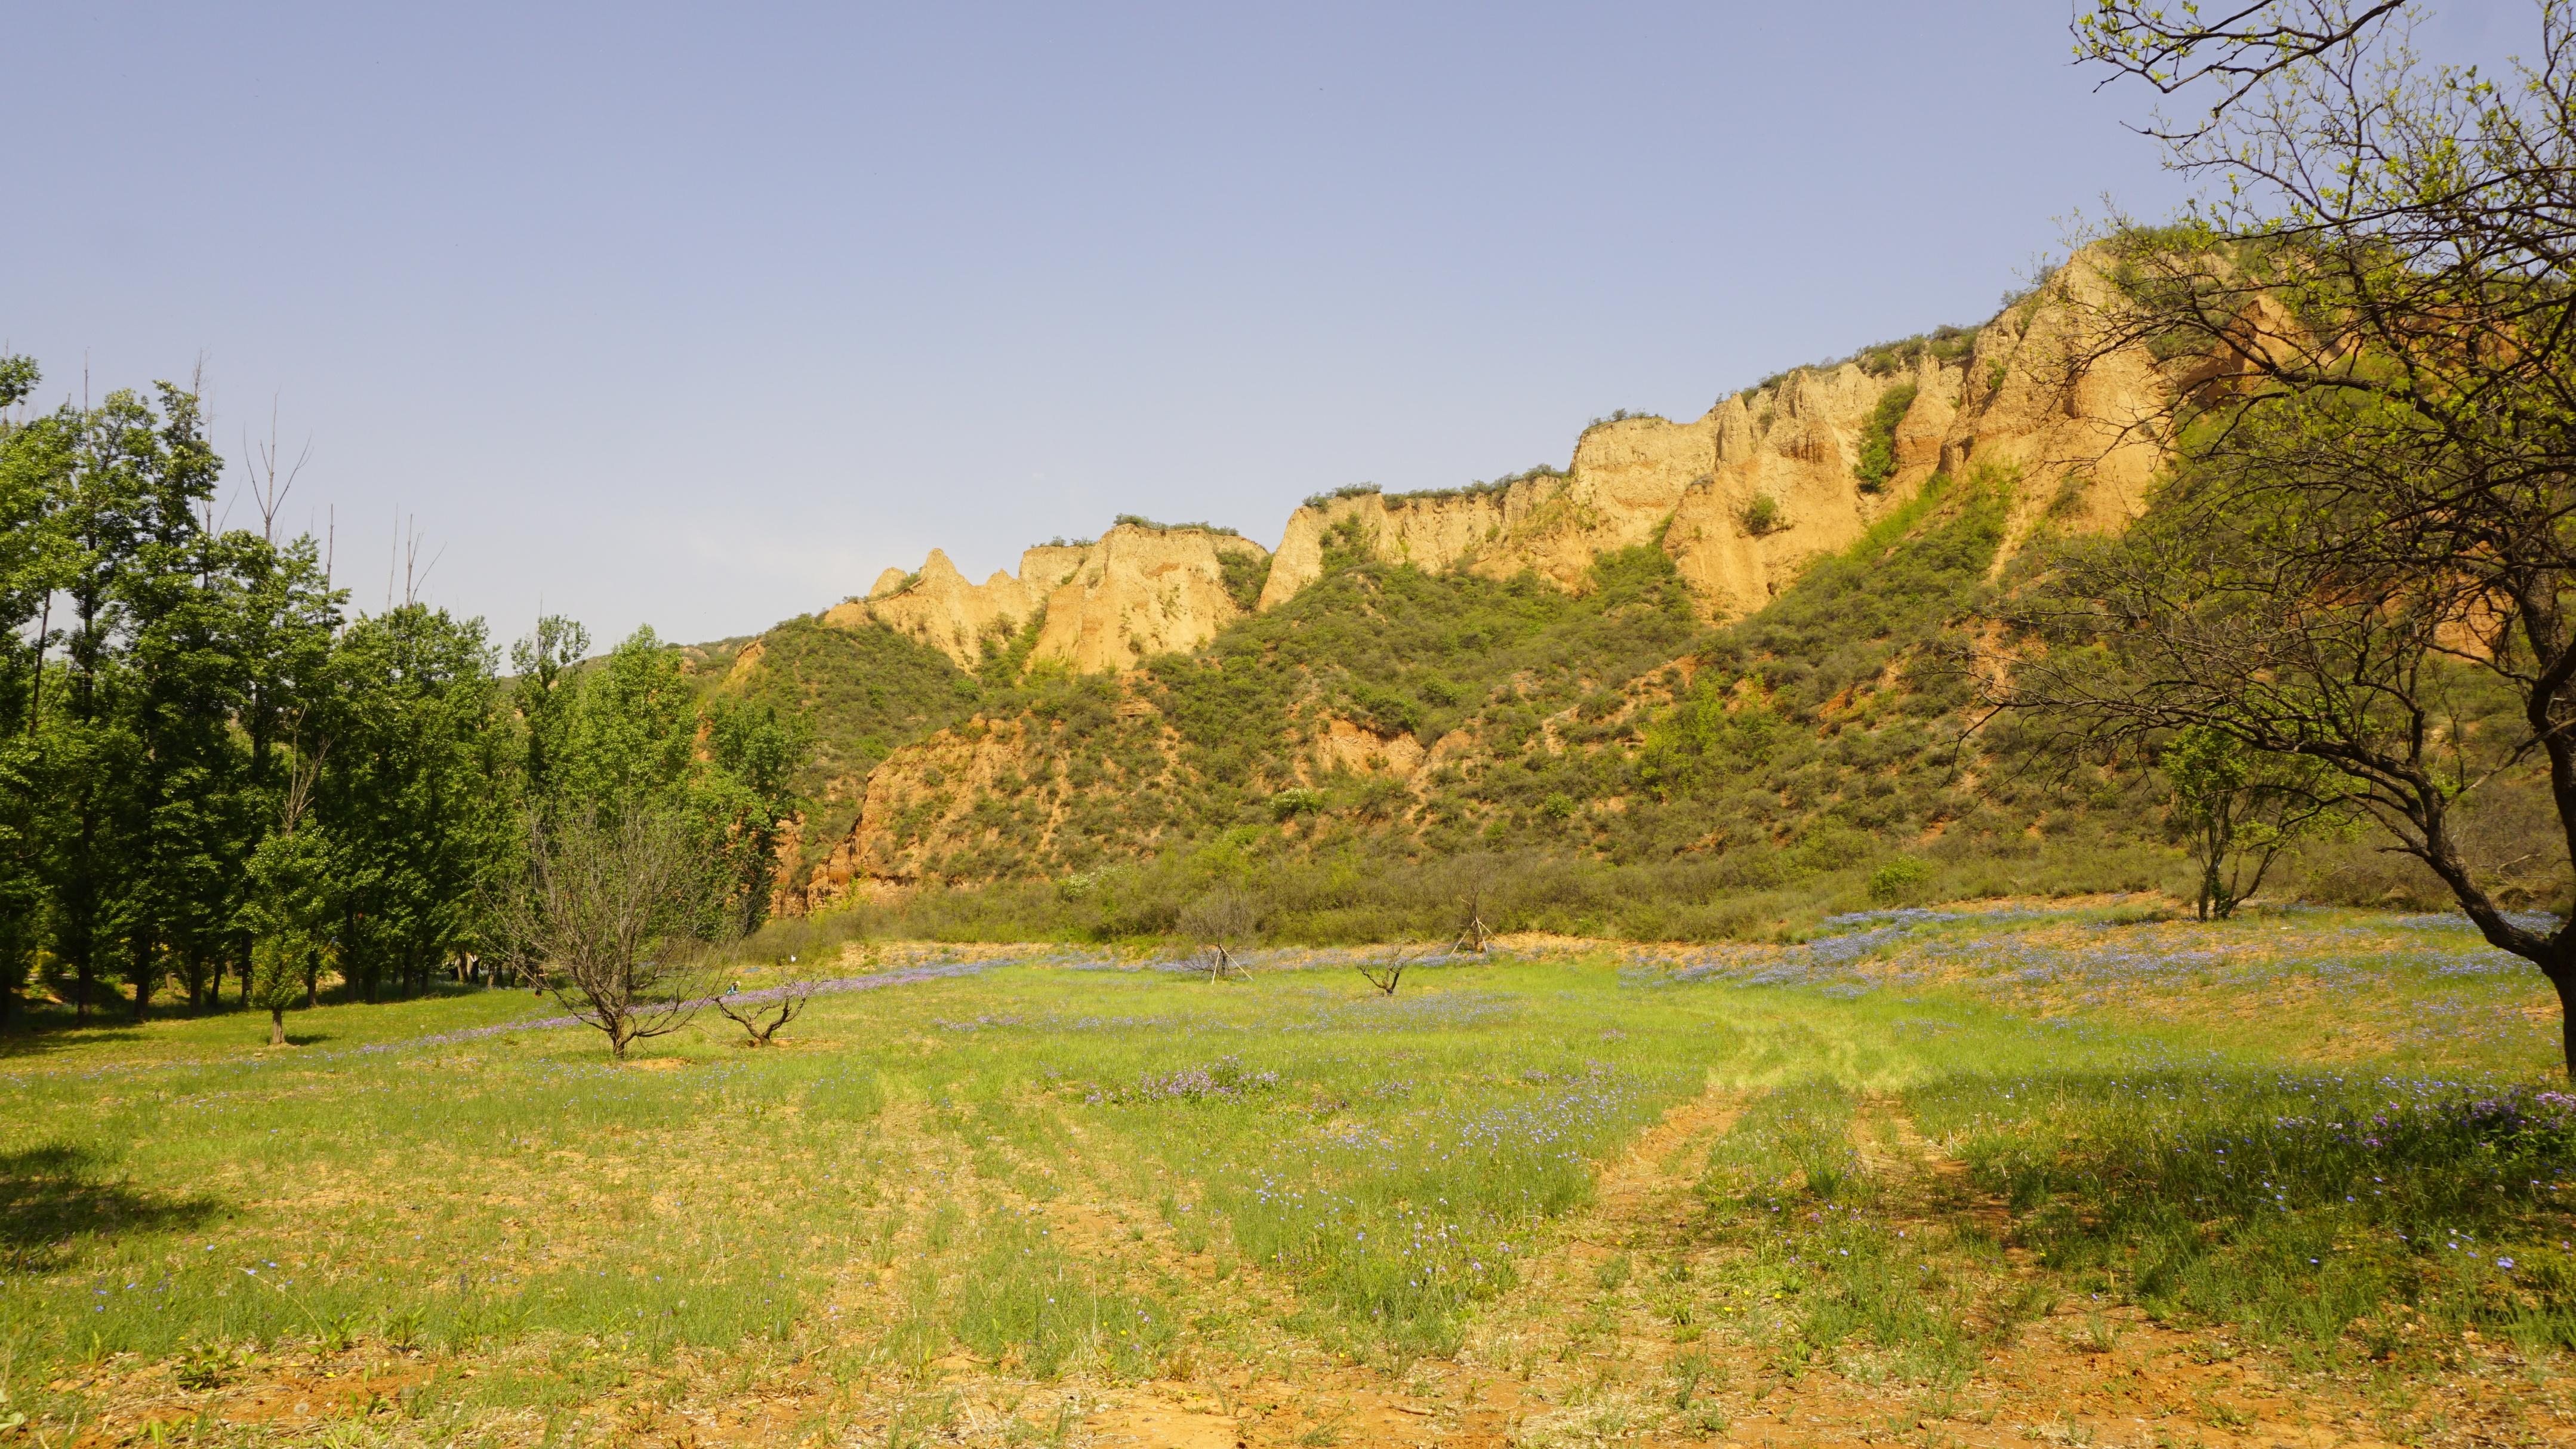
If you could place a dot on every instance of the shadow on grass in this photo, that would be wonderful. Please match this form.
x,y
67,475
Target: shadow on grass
x,y
47,1035
52,1196
2294,1204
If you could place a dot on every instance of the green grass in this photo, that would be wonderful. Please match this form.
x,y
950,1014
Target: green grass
x,y
1090,1170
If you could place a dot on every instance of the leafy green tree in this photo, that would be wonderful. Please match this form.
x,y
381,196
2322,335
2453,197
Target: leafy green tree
x,y
127,481
416,823
27,564
287,618
195,816
2239,810
629,735
289,908
747,795
545,691
632,735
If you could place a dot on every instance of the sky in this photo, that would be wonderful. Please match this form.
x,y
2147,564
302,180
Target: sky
x,y
701,316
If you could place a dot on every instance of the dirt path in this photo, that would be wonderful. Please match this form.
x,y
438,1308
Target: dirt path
x,y
1603,1342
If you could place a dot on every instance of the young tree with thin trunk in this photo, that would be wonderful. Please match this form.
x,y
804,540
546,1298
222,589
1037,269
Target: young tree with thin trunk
x,y
2239,811
289,908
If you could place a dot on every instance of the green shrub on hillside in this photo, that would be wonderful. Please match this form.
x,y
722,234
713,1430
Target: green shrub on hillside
x,y
1477,489
1878,438
1347,490
1138,520
1244,575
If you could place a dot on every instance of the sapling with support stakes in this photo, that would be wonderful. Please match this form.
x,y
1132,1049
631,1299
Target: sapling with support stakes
x,y
1222,921
1475,935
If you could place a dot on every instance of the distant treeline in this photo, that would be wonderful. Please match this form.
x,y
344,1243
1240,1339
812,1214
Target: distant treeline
x,y
202,747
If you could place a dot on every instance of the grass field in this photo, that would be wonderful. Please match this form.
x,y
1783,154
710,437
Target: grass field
x,y
2066,1173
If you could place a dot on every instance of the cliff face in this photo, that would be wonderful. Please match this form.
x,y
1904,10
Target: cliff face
x,y
1136,592
1000,790
1740,497
1764,481
1739,500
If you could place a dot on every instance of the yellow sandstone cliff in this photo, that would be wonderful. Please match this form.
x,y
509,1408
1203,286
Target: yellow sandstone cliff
x,y
1140,590
1740,498
1764,481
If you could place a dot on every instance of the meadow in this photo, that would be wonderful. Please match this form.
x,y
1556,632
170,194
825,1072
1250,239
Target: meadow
x,y
2073,1172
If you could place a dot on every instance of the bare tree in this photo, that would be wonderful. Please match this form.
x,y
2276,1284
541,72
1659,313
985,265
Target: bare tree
x,y
761,1013
1223,923
1470,879
618,921
1386,974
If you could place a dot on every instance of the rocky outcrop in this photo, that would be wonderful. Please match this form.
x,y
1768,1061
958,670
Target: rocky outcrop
x,y
1741,497
1141,592
998,787
1745,495
2075,423
915,796
1137,591
941,609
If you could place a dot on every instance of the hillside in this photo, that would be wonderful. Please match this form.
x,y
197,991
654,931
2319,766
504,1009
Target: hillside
x,y
1704,658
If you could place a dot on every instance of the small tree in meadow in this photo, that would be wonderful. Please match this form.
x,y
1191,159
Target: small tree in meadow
x,y
2240,810
619,921
1388,974
762,1013
289,906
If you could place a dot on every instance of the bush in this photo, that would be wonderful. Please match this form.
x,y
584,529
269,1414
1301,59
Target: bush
x,y
1761,517
1296,801
1347,490
1138,520
1244,576
1878,438
1897,881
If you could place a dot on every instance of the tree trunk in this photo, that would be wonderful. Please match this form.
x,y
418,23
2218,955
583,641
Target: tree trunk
x,y
2564,978
277,1026
144,977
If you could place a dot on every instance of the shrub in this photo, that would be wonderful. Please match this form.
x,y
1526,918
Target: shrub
x,y
1347,490
1296,800
1897,880
1761,516
1878,438
1138,520
1244,576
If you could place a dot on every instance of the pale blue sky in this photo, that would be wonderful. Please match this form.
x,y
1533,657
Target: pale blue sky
x,y
700,316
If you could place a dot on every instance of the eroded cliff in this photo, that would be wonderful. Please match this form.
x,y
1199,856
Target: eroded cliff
x,y
1139,590
1768,479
